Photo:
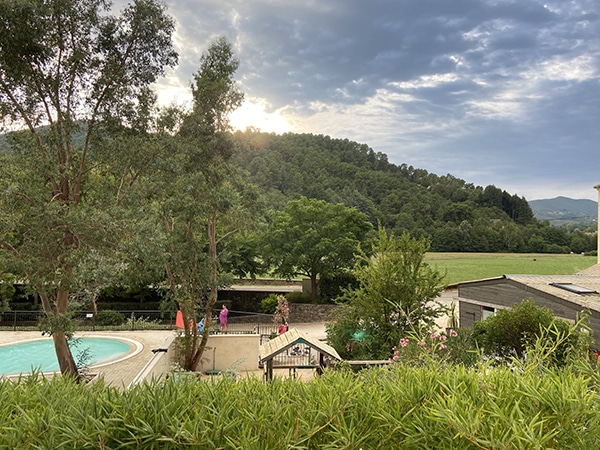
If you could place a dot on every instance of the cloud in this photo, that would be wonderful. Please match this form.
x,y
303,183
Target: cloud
x,y
493,91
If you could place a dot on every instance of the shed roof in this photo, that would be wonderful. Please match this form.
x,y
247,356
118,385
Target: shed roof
x,y
291,338
593,270
550,284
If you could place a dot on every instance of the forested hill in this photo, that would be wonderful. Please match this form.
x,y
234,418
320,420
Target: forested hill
x,y
455,214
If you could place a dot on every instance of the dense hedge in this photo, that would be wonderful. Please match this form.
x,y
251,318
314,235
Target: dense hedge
x,y
409,408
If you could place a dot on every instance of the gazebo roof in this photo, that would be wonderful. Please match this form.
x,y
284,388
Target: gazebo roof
x,y
290,339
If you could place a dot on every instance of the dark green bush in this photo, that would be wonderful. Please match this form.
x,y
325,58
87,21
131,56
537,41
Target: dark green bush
x,y
129,306
332,287
24,306
298,297
509,332
109,318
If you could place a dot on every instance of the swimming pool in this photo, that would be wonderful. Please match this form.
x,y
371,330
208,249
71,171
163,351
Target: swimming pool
x,y
40,355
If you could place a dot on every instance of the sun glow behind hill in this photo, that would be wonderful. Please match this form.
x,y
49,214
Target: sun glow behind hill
x,y
253,114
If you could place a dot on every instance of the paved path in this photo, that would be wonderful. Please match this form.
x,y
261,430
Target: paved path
x,y
123,372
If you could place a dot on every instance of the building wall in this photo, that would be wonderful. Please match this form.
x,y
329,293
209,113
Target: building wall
x,y
469,314
231,351
506,293
237,352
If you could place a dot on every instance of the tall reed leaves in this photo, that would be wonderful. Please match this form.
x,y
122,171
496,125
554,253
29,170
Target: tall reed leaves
x,y
523,406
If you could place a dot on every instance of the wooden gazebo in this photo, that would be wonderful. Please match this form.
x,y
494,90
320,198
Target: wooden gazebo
x,y
295,350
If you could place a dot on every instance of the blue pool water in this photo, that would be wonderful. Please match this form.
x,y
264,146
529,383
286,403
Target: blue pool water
x,y
40,354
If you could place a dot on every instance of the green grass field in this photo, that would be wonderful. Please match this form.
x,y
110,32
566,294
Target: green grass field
x,y
476,266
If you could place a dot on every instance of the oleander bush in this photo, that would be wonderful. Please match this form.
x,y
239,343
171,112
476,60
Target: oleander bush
x,y
526,406
430,398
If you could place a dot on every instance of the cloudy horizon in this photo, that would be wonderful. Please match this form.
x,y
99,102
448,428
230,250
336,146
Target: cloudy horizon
x,y
494,92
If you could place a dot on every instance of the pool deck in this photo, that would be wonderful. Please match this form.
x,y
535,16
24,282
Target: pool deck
x,y
123,372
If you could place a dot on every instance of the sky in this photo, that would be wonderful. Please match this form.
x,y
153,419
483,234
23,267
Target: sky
x,y
495,92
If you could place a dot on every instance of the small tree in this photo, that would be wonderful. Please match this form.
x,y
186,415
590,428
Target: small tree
x,y
396,296
282,310
205,199
313,238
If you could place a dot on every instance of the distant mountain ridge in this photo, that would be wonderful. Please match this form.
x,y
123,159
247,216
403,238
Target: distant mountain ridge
x,y
563,210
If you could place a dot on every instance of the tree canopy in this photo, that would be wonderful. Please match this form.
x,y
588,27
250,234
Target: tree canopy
x,y
455,215
314,238
73,75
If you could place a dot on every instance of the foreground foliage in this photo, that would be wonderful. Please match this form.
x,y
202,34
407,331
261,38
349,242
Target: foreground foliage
x,y
525,406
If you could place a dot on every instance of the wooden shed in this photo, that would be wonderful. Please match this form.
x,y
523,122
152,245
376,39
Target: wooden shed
x,y
565,295
295,350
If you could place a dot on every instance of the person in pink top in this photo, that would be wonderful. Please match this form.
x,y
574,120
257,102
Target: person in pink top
x,y
223,318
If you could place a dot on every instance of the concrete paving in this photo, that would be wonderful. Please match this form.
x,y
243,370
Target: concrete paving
x,y
122,372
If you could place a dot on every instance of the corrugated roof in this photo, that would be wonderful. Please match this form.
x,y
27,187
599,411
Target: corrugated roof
x,y
290,338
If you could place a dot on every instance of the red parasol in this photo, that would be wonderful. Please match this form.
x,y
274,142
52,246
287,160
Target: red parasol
x,y
179,320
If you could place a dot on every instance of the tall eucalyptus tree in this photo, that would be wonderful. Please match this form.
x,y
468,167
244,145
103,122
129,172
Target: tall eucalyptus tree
x,y
206,199
70,70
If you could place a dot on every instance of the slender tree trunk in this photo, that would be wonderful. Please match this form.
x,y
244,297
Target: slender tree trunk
x,y
212,296
314,288
66,362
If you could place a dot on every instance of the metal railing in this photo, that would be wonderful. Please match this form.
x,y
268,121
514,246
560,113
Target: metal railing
x,y
239,322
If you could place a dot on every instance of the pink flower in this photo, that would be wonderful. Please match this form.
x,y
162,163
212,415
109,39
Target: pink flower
x,y
442,346
433,336
443,337
403,342
453,333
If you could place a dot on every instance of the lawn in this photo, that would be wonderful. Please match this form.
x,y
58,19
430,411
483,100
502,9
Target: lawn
x,y
476,266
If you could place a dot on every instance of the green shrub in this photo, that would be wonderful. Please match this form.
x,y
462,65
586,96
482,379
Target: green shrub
x,y
129,306
24,306
298,297
331,288
109,318
509,332
269,304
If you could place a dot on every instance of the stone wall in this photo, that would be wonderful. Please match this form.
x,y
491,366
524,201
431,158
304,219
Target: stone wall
x,y
308,312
